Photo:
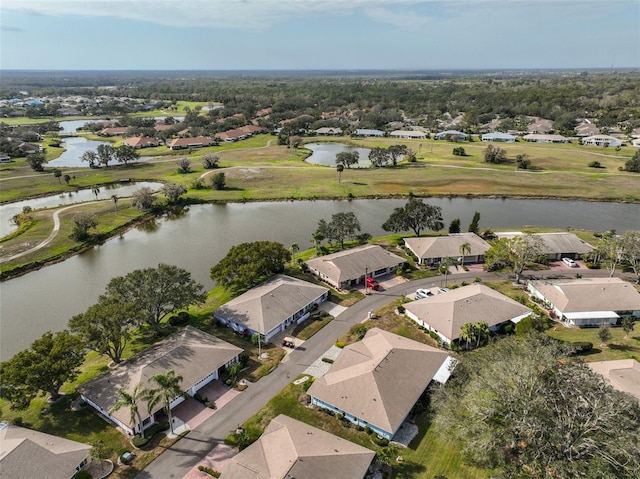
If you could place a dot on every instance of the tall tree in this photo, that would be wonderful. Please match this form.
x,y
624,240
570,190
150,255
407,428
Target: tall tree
x,y
247,264
521,407
210,160
131,401
51,361
468,333
114,198
341,227
347,158
57,174
82,223
630,248
36,161
90,157
105,327
294,248
379,157
173,191
218,181
495,155
125,154
454,226
474,227
445,264
157,291
143,199
105,154
339,169
396,152
628,322
609,251
166,391
416,216
514,253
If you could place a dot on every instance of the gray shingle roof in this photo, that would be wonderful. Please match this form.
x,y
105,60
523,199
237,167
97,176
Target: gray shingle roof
x,y
292,449
380,378
351,264
445,246
267,305
191,353
469,304
27,454
622,374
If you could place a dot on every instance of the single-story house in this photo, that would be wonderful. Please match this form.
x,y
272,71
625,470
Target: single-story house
x,y
349,267
557,245
163,127
376,382
539,125
587,128
433,249
114,131
366,132
142,141
636,142
449,134
238,133
446,313
587,301
289,448
541,138
327,131
193,354
29,148
191,142
497,136
408,134
602,140
622,374
271,307
27,454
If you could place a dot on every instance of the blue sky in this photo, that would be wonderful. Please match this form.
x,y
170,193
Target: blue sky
x,y
318,34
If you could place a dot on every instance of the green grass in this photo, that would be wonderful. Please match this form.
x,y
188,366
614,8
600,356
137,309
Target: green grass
x,y
616,348
311,326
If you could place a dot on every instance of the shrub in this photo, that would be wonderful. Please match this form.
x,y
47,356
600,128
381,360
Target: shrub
x,y
180,319
327,360
582,347
208,470
434,335
83,475
401,309
595,164
459,151
340,344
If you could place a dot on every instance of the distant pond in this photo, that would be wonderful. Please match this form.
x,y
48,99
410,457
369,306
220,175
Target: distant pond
x,y
75,148
325,154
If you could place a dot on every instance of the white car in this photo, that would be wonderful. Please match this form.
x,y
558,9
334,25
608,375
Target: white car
x,y
423,293
569,262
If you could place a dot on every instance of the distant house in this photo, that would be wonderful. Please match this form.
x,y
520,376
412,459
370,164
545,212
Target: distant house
x,y
114,131
142,141
271,307
587,128
408,134
29,454
238,133
191,142
622,374
445,313
376,382
587,301
163,127
557,245
364,132
326,131
451,134
539,125
602,140
433,249
349,267
540,138
193,354
29,148
497,136
636,142
289,448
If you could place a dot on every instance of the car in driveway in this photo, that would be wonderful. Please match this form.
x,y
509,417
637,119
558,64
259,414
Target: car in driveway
x,y
373,284
423,293
569,262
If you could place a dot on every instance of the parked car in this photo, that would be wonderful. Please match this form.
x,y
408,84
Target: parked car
x,y
373,284
423,293
569,262
288,342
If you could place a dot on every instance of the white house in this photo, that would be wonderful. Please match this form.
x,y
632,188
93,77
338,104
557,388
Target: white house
x,y
434,249
447,134
193,354
445,313
557,245
408,134
587,301
349,267
271,307
366,132
375,382
602,140
542,138
497,136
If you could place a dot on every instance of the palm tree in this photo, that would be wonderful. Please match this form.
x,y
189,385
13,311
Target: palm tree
x,y
131,400
115,202
482,332
468,333
444,267
294,249
316,239
168,389
95,189
339,169
465,249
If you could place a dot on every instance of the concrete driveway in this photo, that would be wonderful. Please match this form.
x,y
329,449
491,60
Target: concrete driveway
x,y
193,413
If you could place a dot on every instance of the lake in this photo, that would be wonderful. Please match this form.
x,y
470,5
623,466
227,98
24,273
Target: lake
x,y
45,299
325,154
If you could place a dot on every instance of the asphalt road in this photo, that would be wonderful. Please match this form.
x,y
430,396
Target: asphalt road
x,y
176,461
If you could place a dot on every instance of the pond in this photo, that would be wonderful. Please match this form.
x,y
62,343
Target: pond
x,y
196,240
325,154
9,210
75,148
71,126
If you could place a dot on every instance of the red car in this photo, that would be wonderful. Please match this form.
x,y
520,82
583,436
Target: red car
x,y
373,284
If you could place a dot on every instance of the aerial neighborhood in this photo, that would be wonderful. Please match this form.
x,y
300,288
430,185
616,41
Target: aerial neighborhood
x,y
317,277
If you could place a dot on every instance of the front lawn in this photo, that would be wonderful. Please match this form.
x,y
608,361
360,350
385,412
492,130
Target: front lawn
x,y
616,348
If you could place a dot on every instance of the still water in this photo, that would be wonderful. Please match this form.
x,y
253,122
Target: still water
x,y
45,299
75,148
9,210
325,154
